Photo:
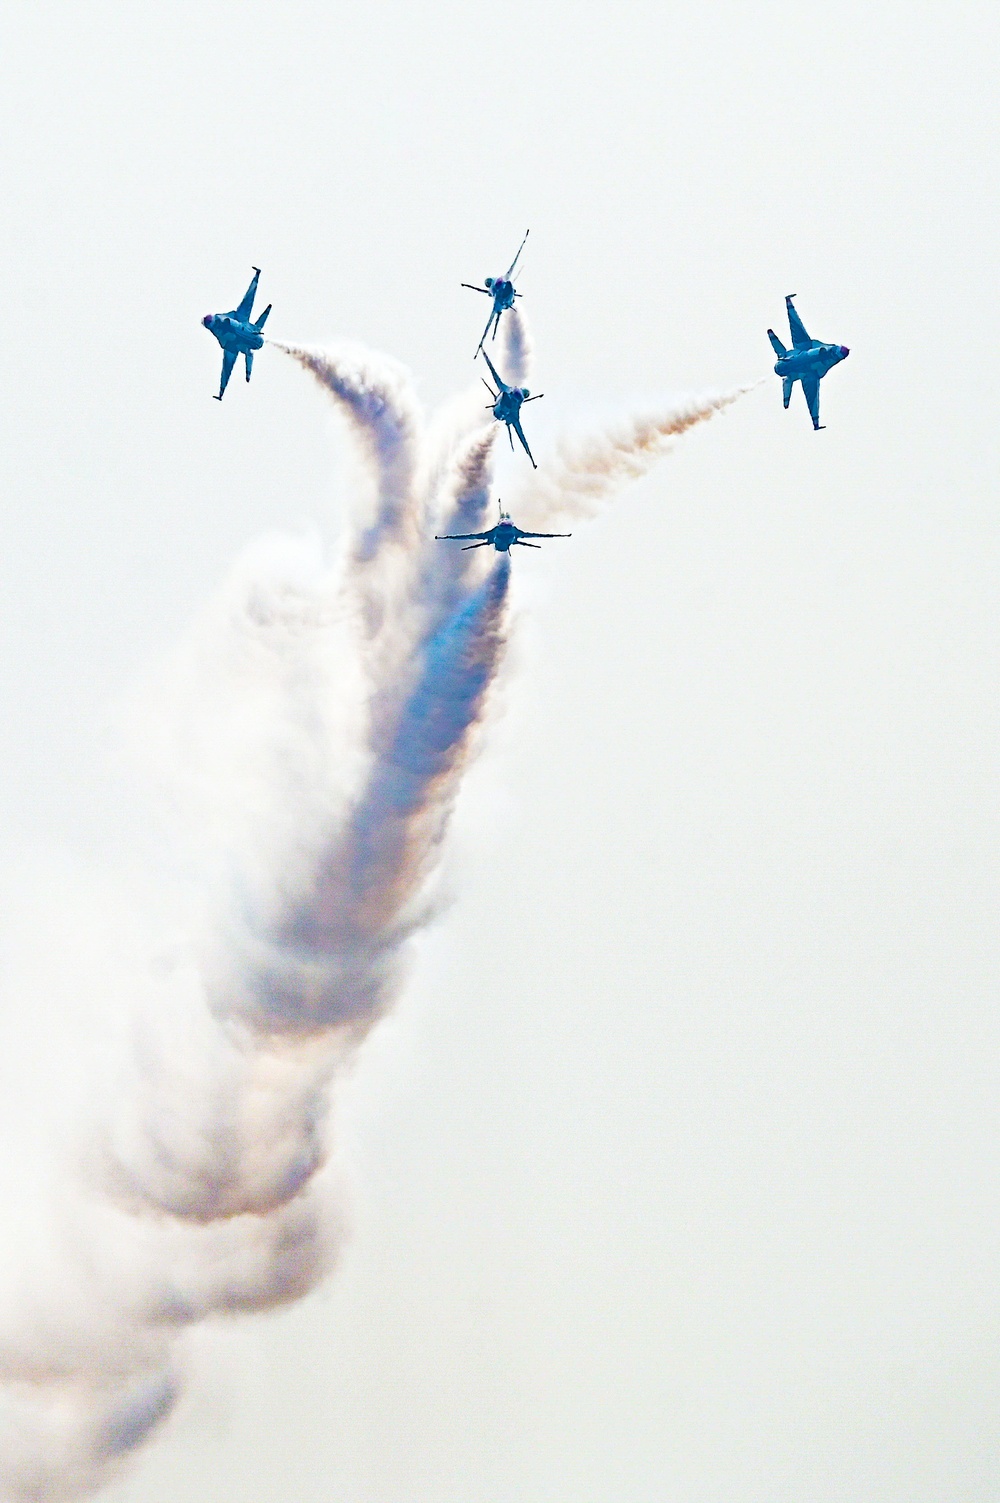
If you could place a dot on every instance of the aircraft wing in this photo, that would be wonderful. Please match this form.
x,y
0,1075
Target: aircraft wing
x,y
493,315
510,269
246,302
810,385
228,361
498,379
800,339
544,534
463,537
515,423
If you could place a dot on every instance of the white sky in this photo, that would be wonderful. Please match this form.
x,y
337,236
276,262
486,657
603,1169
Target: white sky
x,y
675,1171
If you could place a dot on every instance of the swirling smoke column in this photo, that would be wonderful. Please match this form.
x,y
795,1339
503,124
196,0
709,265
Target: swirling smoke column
x,y
317,724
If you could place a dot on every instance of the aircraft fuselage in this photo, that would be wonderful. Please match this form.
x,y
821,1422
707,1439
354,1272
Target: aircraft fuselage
x,y
233,334
504,534
507,406
814,361
503,294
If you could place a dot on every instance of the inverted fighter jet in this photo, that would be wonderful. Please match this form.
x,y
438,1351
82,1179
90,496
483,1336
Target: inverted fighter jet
x,y
503,537
501,290
236,334
507,404
807,361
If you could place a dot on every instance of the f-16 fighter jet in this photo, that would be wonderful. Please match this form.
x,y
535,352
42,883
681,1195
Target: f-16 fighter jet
x,y
507,404
503,537
236,334
807,361
501,290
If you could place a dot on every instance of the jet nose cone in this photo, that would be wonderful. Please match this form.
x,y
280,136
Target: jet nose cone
x,y
844,352
207,320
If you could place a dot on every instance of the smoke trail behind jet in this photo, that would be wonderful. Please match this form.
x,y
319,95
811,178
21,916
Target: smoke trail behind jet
x,y
204,1196
315,727
587,471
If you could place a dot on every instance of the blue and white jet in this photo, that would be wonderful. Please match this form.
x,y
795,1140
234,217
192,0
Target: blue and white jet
x,y
237,334
807,361
507,404
503,537
501,290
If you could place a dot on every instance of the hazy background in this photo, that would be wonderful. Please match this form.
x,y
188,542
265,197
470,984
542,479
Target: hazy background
x,y
675,1170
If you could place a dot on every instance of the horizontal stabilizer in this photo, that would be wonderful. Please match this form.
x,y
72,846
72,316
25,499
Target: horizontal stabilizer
x,y
263,317
777,346
786,389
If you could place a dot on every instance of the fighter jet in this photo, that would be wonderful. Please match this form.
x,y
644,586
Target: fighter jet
x,y
507,404
503,537
807,361
236,334
501,290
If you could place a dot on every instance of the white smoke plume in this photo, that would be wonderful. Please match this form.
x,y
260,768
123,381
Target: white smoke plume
x,y
519,348
316,726
588,470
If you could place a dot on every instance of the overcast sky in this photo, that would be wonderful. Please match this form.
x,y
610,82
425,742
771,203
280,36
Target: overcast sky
x,y
674,1172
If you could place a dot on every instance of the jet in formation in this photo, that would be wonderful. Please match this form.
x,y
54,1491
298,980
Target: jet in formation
x,y
237,334
507,404
501,290
503,537
807,361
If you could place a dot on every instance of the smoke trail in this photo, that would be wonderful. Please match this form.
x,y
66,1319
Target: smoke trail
x,y
587,471
377,395
209,1167
518,348
317,724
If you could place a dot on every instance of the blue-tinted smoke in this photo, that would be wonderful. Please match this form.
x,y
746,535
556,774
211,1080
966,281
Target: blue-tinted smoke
x,y
316,726
343,705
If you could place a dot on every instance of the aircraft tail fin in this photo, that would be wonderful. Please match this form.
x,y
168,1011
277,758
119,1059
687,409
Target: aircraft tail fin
x,y
248,357
777,346
263,317
786,389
